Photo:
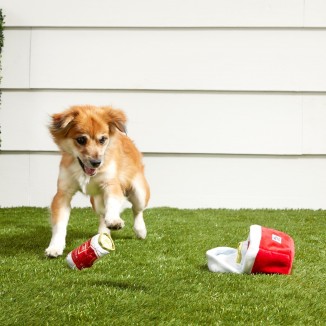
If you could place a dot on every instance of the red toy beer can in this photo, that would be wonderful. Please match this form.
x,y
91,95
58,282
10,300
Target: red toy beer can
x,y
86,254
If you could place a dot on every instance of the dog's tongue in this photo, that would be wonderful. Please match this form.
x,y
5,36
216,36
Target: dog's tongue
x,y
89,171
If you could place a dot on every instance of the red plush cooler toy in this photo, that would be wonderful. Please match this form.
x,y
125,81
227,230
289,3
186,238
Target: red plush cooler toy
x,y
265,251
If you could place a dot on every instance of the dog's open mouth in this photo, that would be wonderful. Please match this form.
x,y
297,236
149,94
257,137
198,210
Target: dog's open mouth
x,y
89,171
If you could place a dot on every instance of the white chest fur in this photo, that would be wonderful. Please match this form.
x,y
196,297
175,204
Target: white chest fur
x,y
73,179
88,185
92,185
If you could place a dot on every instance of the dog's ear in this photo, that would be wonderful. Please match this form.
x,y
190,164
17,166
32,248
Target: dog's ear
x,y
116,120
60,122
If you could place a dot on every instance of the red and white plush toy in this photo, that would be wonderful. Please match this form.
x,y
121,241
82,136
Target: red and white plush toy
x,y
265,251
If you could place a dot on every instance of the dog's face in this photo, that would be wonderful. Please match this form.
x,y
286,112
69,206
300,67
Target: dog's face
x,y
85,132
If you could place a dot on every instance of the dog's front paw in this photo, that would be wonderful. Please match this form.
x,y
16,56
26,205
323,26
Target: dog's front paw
x,y
53,251
115,224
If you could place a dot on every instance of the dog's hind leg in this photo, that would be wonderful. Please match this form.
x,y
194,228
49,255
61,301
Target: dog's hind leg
x,y
139,197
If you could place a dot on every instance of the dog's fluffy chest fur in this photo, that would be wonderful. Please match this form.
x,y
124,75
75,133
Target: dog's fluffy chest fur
x,y
77,180
88,186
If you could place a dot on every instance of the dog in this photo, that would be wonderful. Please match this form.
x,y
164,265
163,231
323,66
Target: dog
x,y
100,160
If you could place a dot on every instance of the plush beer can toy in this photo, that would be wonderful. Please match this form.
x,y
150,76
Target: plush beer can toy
x,y
87,253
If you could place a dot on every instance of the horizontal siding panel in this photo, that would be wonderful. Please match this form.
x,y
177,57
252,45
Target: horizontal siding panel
x,y
168,122
315,13
314,122
15,59
237,182
186,181
15,180
240,60
144,13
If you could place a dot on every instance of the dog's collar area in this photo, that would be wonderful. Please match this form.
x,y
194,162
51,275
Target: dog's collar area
x,y
89,171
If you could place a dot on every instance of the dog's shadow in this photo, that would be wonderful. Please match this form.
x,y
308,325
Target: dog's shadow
x,y
31,241
12,245
34,241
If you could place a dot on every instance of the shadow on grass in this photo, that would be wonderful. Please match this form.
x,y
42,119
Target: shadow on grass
x,y
27,230
120,235
203,268
119,285
34,241
24,241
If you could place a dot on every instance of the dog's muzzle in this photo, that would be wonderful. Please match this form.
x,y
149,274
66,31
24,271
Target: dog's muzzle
x,y
90,171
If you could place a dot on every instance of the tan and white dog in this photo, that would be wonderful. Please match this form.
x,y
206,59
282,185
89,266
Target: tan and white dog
x,y
101,161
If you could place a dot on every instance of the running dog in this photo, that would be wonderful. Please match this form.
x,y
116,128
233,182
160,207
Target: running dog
x,y
100,160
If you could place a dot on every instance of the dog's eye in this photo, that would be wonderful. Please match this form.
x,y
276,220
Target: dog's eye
x,y
81,140
102,140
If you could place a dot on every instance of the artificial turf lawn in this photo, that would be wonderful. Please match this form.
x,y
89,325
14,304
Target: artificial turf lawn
x,y
164,279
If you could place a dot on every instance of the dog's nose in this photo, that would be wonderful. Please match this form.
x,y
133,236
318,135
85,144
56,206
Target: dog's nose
x,y
95,163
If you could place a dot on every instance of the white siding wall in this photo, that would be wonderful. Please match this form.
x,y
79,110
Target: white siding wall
x,y
227,99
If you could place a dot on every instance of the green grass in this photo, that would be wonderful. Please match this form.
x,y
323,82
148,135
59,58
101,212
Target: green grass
x,y
164,279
